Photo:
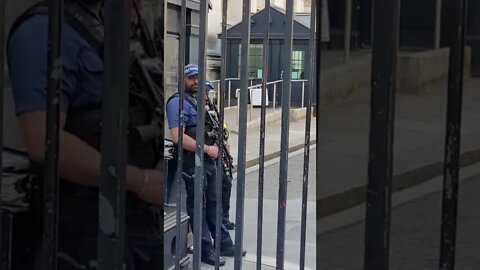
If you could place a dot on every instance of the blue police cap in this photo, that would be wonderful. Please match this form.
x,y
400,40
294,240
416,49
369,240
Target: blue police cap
x,y
190,70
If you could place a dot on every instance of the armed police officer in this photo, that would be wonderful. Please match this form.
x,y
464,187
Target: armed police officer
x,y
79,135
210,169
226,159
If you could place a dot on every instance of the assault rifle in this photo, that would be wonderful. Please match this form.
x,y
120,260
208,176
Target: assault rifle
x,y
212,118
146,80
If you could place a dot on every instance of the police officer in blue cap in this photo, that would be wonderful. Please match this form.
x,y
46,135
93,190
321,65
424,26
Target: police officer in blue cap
x,y
211,154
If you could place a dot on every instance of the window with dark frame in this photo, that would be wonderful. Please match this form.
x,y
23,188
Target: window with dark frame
x,y
298,65
255,59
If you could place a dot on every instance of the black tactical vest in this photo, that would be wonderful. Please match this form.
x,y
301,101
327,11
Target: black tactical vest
x,y
85,122
191,131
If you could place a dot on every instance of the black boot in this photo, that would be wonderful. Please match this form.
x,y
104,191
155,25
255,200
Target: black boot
x,y
210,259
230,252
229,225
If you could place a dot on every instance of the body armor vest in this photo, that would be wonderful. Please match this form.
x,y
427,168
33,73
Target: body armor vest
x,y
191,131
85,122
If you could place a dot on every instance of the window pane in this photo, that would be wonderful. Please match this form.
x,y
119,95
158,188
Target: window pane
x,y
298,63
255,60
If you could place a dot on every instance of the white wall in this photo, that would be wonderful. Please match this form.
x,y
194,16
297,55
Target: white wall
x,y
235,7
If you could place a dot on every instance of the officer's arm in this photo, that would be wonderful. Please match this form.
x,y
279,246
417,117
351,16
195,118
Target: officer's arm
x,y
78,162
189,143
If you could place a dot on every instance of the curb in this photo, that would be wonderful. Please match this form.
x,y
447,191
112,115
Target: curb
x,y
254,162
270,118
355,196
296,114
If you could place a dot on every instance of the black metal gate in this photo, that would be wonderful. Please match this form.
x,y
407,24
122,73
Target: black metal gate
x,y
111,227
241,168
379,188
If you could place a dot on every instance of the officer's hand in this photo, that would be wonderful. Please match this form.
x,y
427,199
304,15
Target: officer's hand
x,y
212,151
152,192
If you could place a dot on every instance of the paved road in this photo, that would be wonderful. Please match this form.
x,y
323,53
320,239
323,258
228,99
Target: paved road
x,y
292,245
415,235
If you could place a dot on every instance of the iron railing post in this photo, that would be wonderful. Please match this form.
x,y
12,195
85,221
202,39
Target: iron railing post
x,y
221,119
242,135
250,106
2,85
229,93
438,23
303,93
51,177
318,54
274,96
200,140
111,203
380,166
181,126
308,124
286,95
453,135
261,157
347,30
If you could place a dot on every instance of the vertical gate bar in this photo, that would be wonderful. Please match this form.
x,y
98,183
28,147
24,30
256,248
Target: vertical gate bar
x,y
286,94
181,126
111,203
372,19
50,221
221,118
242,134
2,85
306,161
438,22
261,157
199,155
452,141
347,30
316,83
378,200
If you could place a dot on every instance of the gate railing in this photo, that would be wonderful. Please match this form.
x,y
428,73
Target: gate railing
x,y
2,85
378,197
111,226
225,93
272,88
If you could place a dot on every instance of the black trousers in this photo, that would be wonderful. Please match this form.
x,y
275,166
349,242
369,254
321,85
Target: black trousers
x,y
226,188
226,194
208,209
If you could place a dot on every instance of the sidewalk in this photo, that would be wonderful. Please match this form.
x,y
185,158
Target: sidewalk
x,y
270,217
273,137
419,143
415,232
